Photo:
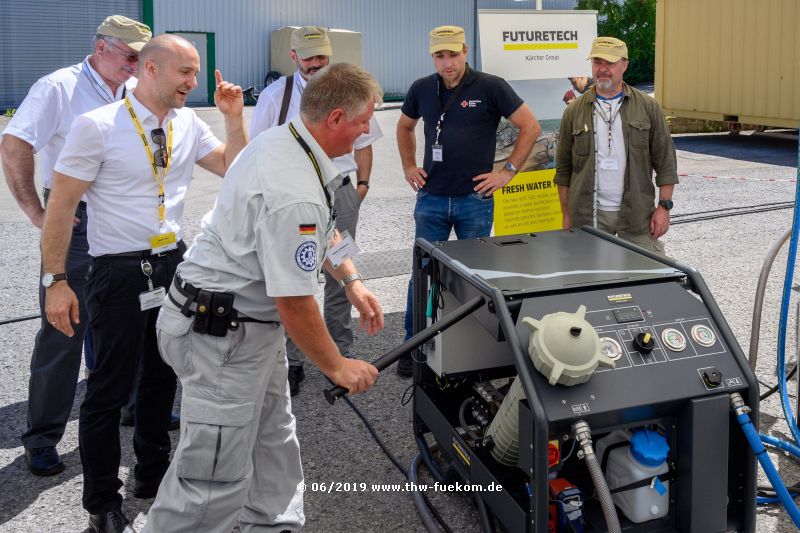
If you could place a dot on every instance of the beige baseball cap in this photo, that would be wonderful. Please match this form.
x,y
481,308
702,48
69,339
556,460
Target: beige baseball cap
x,y
446,38
134,34
310,41
609,48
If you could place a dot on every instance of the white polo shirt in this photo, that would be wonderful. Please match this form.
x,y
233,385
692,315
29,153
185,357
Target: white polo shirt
x,y
267,113
265,239
45,116
104,148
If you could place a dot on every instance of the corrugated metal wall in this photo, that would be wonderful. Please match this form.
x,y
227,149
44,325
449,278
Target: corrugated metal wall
x,y
395,32
40,36
732,60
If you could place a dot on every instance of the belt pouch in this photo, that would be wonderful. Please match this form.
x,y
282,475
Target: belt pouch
x,y
203,311
221,313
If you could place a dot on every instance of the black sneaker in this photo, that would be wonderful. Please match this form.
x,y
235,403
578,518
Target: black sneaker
x,y
405,367
111,521
296,375
44,461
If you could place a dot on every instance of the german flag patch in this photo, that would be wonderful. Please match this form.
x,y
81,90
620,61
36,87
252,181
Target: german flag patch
x,y
308,229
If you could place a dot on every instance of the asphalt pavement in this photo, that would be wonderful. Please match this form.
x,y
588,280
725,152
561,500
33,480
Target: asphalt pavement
x,y
718,171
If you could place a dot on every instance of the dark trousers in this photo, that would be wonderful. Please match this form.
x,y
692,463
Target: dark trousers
x,y
124,337
56,359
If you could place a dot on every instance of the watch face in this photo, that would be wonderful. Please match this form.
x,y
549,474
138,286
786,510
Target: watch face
x,y
47,280
666,203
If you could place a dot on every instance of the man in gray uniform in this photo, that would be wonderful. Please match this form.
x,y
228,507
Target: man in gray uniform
x,y
40,126
311,51
250,275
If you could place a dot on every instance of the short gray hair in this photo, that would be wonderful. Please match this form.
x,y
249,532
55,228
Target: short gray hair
x,y
339,86
107,38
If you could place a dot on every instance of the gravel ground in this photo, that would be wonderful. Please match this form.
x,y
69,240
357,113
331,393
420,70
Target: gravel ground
x,y
718,171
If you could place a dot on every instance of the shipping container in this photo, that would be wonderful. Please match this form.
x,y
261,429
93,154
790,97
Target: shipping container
x,y
736,61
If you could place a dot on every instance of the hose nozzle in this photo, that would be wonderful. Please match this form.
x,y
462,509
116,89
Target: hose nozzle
x,y
738,405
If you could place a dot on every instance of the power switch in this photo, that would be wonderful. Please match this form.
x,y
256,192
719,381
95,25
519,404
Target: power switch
x,y
712,377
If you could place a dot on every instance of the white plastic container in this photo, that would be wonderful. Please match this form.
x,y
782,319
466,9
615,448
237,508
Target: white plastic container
x,y
643,458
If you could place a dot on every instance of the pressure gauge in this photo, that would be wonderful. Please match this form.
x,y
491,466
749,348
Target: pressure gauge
x,y
610,348
673,339
703,335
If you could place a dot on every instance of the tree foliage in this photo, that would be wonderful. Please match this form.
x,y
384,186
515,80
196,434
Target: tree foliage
x,y
633,21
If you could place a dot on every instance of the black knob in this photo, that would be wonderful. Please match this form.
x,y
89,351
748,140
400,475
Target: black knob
x,y
644,343
712,377
575,331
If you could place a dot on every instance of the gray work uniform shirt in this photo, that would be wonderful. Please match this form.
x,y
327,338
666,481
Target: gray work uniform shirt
x,y
268,232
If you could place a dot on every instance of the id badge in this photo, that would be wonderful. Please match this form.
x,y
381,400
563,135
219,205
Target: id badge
x,y
437,153
609,163
163,242
343,250
152,299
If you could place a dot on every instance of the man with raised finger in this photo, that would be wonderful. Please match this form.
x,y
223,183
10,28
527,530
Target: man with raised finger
x,y
133,160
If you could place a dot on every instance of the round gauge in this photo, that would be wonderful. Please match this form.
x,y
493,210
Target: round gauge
x,y
703,335
610,348
674,339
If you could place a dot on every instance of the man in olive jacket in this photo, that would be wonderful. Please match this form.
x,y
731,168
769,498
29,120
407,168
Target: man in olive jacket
x,y
612,139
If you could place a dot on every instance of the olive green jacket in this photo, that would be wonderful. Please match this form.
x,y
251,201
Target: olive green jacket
x,y
648,147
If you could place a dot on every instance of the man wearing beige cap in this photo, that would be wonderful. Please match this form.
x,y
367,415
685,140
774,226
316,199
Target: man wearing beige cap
x,y
461,109
280,102
40,126
612,139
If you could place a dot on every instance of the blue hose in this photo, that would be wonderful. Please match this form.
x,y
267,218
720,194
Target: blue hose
x,y
787,292
769,469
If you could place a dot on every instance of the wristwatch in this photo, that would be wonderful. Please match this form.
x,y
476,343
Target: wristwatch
x,y
48,279
351,278
365,183
666,204
510,166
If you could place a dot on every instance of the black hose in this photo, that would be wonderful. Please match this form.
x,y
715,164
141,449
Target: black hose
x,y
487,522
772,390
422,509
19,319
394,460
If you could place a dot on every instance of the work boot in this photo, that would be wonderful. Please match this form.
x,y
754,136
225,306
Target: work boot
x,y
44,461
405,367
296,375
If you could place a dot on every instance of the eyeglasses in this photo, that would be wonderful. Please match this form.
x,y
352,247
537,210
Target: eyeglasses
x,y
132,57
160,138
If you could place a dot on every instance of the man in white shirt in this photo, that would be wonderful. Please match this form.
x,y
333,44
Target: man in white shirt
x,y
40,126
260,254
133,160
280,102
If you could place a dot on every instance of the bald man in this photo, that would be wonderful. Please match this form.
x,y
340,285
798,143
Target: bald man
x,y
133,160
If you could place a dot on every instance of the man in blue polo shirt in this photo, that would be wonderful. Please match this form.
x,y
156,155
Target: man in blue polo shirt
x,y
461,109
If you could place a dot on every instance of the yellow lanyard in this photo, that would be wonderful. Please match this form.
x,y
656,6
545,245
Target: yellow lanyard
x,y
159,179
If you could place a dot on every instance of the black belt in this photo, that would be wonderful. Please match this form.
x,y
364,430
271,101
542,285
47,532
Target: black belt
x,y
147,254
190,292
46,194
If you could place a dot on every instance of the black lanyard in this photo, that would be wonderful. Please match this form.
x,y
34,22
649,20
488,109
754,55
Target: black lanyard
x,y
449,102
313,159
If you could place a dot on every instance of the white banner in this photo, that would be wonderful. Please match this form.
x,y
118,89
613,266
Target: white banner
x,y
536,45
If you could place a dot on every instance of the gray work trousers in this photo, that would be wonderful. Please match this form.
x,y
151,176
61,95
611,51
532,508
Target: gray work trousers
x,y
337,309
238,456
56,359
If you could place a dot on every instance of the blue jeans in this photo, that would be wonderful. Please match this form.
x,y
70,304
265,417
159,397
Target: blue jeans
x,y
471,216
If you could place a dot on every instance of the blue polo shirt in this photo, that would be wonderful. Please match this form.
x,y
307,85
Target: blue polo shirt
x,y
469,129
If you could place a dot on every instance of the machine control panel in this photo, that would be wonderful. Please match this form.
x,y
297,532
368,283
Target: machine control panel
x,y
662,338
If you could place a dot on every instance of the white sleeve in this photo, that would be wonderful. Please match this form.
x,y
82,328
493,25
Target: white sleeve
x,y
264,114
206,140
37,118
83,150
